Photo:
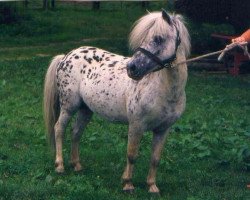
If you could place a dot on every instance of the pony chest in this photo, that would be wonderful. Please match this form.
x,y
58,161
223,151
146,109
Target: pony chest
x,y
154,110
170,114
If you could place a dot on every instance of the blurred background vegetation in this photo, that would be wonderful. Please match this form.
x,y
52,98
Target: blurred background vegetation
x,y
49,20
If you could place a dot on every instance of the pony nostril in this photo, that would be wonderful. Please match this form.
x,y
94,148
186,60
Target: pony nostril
x,y
132,67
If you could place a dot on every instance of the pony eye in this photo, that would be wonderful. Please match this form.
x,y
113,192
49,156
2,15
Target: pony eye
x,y
158,39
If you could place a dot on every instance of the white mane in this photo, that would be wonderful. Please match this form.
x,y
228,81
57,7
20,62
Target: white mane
x,y
153,24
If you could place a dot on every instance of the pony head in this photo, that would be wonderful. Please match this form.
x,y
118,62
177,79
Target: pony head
x,y
156,35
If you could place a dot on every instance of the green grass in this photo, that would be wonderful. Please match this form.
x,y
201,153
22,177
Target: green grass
x,y
207,155
46,33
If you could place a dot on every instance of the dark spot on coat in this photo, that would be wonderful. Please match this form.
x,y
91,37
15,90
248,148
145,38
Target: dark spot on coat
x,y
61,65
138,96
91,48
84,51
96,58
89,60
113,64
65,57
82,71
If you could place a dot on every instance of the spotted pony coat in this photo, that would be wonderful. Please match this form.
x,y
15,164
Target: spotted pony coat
x,y
84,79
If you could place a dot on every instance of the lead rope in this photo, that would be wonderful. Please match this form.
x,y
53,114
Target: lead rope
x,y
242,45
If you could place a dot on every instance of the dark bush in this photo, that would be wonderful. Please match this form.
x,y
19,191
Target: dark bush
x,y
201,39
234,12
8,13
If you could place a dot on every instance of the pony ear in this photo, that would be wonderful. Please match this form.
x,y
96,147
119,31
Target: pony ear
x,y
166,17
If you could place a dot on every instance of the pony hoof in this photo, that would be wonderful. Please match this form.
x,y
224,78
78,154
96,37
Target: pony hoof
x,y
59,169
128,188
77,167
153,189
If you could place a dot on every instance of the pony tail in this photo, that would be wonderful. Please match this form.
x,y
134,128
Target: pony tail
x,y
51,105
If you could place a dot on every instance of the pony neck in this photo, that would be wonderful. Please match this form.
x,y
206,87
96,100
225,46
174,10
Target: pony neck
x,y
175,79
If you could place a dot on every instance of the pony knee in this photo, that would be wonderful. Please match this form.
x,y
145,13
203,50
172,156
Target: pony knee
x,y
76,133
77,130
132,158
155,162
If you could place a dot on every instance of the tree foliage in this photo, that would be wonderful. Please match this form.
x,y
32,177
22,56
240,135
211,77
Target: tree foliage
x,y
46,4
217,11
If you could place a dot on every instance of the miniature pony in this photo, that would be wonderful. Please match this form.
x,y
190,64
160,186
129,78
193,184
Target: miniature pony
x,y
143,91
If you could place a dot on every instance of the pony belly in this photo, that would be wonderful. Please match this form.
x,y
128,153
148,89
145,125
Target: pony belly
x,y
110,110
107,101
113,115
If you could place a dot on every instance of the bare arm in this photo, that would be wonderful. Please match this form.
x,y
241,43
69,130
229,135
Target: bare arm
x,y
245,37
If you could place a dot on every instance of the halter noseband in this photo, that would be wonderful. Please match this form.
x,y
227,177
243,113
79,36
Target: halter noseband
x,y
162,63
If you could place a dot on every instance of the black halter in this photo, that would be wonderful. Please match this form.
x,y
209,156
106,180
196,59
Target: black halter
x,y
162,63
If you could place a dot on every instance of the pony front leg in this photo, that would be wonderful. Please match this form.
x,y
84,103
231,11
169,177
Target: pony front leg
x,y
134,138
159,138
60,127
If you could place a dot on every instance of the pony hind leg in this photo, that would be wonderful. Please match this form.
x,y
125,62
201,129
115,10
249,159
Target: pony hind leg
x,y
60,127
82,119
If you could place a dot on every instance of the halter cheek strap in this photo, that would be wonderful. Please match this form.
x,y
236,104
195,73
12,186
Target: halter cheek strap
x,y
162,63
151,56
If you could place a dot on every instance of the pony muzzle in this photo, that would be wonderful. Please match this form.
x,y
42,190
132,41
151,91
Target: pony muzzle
x,y
133,72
